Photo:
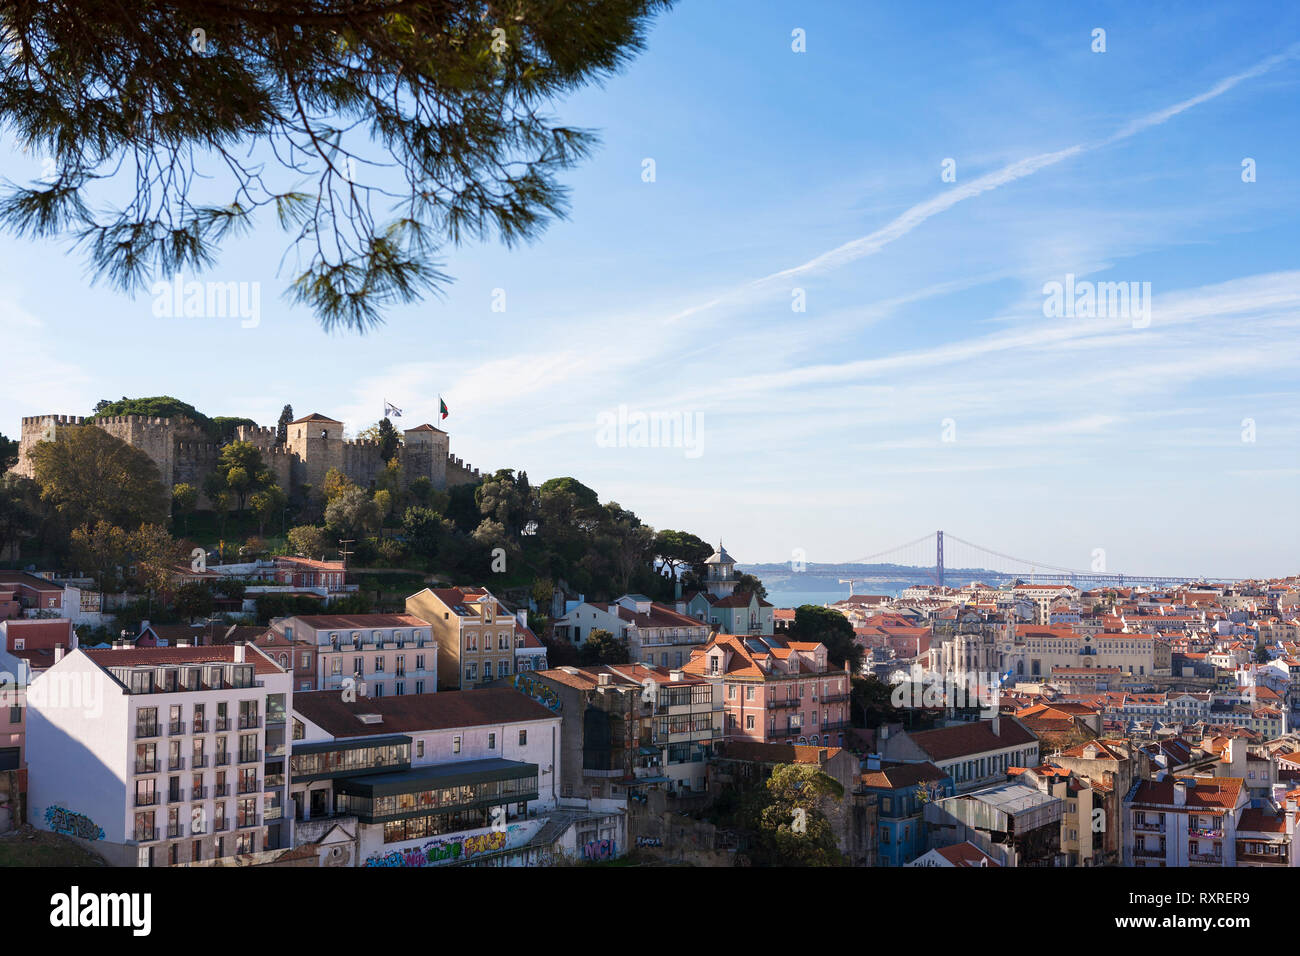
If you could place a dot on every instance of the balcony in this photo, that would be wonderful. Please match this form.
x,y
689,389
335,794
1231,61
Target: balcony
x,y
221,826
143,731
1149,827
223,724
253,787
199,762
176,728
249,721
200,727
146,799
221,760
1213,859
221,791
146,766
176,796
777,704
273,813
176,763
146,834
174,831
1148,852
250,756
199,793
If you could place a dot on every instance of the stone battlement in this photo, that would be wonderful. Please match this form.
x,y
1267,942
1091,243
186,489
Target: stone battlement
x,y
183,453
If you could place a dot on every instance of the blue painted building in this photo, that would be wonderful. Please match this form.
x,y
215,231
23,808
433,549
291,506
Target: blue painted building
x,y
902,790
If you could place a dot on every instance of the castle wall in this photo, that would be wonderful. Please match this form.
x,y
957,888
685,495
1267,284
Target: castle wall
x,y
183,453
362,462
460,473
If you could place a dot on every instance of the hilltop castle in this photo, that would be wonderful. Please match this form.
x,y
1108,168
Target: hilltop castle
x,y
183,452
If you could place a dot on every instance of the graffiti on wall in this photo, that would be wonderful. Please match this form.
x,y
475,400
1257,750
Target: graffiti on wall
x,y
441,850
649,841
599,850
62,820
538,691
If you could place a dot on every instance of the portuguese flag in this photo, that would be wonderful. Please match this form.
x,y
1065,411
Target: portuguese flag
x,y
442,408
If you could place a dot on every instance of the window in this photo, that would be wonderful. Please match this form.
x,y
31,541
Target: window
x,y
749,693
749,722
419,687
523,738
492,741
379,664
455,744
419,748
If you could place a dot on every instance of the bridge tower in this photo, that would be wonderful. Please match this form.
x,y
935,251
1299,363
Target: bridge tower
x,y
938,557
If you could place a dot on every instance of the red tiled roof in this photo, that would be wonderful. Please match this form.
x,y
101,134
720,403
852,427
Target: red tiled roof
x,y
412,713
945,743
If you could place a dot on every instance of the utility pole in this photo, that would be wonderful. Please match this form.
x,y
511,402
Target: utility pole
x,y
343,550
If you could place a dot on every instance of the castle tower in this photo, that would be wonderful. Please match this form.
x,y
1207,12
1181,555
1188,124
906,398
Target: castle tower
x,y
424,455
316,442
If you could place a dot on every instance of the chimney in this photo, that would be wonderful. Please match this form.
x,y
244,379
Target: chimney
x,y
676,675
997,725
58,653
239,653
1180,793
604,680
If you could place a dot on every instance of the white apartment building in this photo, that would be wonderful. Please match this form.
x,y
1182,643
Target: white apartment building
x,y
421,780
392,654
157,756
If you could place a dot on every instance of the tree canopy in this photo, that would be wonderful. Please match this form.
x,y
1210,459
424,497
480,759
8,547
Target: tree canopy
x,y
375,131
827,626
89,475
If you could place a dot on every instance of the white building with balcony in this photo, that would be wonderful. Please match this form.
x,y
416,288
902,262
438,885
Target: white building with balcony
x,y
158,756
392,654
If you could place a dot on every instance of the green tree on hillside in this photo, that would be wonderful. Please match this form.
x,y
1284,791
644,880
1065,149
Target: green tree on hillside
x,y
309,541
18,519
824,625
680,549
243,471
8,453
88,475
185,498
793,829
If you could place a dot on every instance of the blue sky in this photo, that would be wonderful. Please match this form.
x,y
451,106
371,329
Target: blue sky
x,y
774,170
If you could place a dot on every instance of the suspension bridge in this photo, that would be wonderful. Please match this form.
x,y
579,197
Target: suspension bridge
x,y
945,559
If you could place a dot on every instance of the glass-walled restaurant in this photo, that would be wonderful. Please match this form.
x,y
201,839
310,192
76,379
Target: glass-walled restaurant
x,y
427,801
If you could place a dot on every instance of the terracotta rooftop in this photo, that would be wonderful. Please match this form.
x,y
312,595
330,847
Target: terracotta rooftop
x,y
413,713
